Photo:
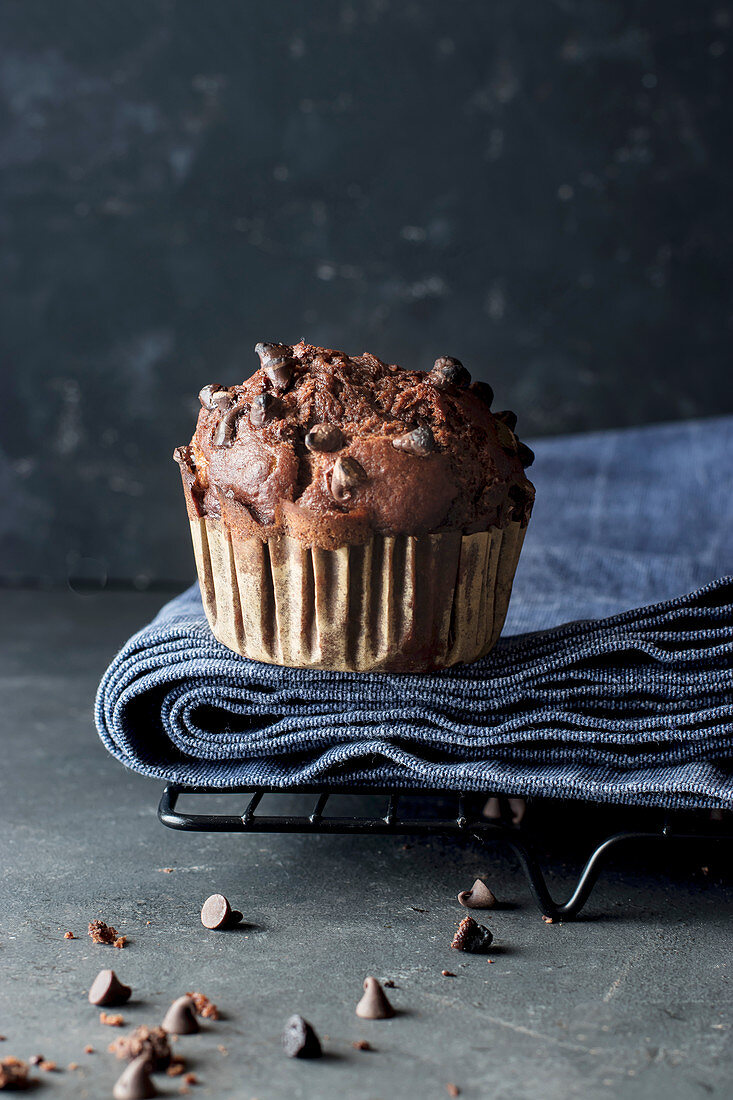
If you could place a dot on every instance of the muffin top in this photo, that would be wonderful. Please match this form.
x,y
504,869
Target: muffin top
x,y
330,448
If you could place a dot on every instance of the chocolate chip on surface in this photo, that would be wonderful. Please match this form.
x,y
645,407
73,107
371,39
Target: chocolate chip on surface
x,y
215,396
299,1040
484,391
346,476
507,417
216,912
478,897
277,362
134,1082
324,437
107,989
525,454
374,1004
420,441
225,431
180,1019
472,937
448,371
261,410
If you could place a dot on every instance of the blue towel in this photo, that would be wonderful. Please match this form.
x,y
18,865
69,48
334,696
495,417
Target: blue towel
x,y
616,705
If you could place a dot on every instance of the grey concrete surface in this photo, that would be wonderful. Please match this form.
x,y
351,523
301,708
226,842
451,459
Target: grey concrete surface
x,y
633,1001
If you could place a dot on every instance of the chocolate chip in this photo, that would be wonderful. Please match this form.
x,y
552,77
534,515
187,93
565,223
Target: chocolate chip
x,y
507,417
324,437
134,1082
180,1019
300,1040
506,437
472,937
277,363
484,391
374,1004
478,897
215,396
261,409
448,372
346,475
420,441
525,454
226,430
107,989
235,918
216,912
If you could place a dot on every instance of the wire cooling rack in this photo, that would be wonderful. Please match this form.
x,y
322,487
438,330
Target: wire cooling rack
x,y
437,814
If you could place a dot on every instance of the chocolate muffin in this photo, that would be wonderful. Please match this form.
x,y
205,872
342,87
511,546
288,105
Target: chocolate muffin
x,y
348,514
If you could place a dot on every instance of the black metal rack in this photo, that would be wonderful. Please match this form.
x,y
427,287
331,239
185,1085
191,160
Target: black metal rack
x,y
464,819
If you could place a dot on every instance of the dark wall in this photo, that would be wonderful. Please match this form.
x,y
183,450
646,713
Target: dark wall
x,y
541,189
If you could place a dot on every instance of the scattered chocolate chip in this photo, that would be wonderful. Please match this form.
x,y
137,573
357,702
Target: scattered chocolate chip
x,y
374,1004
525,454
215,396
14,1074
261,409
506,437
362,1044
216,913
35,1059
225,431
447,973
134,1082
478,897
484,391
111,1019
236,918
150,1042
507,417
101,932
203,1006
69,936
107,989
452,1089
180,1019
300,1040
346,476
324,437
420,441
448,372
472,937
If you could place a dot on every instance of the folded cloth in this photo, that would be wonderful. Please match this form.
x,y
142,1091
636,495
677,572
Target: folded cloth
x,y
633,708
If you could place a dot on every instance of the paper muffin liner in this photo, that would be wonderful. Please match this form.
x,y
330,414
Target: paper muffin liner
x,y
394,604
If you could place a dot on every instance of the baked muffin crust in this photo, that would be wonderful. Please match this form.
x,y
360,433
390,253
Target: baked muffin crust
x,y
330,448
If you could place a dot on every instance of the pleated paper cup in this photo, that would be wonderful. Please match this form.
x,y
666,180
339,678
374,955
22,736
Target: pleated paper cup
x,y
393,604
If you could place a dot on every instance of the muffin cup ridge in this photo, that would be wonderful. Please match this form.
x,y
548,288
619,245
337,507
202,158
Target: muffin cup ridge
x,y
392,604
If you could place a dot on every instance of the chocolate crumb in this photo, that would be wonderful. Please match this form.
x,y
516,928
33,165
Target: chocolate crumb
x,y
69,936
549,920
120,942
472,937
73,1065
88,1049
14,1074
362,1044
203,1006
48,1067
388,981
111,1019
447,973
101,932
167,870
191,1079
35,1059
222,1049
176,1068
150,1041
452,1089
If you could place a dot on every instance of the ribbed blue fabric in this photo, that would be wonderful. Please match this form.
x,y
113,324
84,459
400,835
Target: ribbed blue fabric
x,y
617,706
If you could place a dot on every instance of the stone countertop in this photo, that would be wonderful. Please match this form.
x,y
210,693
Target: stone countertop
x,y
633,1000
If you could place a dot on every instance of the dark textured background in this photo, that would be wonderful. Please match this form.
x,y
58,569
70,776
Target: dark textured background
x,y
542,189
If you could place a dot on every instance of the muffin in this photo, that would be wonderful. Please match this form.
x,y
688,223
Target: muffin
x,y
347,514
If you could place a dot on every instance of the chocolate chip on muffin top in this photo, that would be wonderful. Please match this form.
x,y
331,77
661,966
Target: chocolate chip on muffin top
x,y
330,448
